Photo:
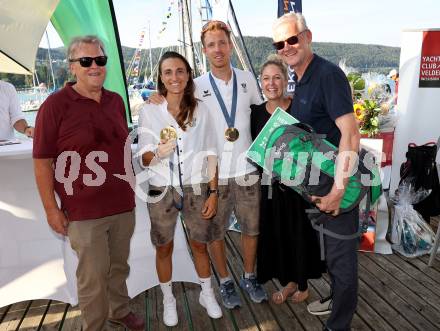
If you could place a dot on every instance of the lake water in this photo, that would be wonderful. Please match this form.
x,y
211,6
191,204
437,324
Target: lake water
x,y
30,117
31,100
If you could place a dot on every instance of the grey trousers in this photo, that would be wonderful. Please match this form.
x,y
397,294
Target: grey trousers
x,y
342,264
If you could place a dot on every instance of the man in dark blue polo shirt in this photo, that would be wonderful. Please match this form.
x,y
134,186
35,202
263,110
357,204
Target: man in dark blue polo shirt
x,y
323,100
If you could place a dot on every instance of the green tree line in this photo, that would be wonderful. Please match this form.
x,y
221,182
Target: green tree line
x,y
362,58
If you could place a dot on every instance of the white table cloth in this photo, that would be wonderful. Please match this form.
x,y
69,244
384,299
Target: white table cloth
x,y
36,263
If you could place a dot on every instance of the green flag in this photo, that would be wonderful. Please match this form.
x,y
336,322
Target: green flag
x,y
74,18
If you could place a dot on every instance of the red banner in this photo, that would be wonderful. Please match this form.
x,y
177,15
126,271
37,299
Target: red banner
x,y
430,60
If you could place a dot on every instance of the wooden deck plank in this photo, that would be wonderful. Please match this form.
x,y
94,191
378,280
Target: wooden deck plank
x,y
365,318
199,316
379,281
435,264
357,322
416,295
237,318
416,280
418,264
72,320
395,293
259,313
366,309
35,315
55,316
3,312
15,316
286,316
155,310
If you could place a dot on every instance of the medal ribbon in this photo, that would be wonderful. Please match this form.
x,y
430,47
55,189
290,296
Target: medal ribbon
x,y
177,204
230,119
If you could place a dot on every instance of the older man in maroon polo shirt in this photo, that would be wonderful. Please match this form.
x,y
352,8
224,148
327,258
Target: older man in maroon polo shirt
x,y
79,142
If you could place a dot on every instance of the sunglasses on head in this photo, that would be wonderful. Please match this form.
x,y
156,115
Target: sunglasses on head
x,y
219,24
87,61
293,40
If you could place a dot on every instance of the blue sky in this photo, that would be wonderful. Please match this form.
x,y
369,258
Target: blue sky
x,y
348,21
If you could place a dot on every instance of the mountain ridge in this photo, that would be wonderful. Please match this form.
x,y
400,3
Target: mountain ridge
x,y
360,57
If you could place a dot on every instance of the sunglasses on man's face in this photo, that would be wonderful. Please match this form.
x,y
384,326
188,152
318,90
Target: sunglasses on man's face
x,y
293,40
87,61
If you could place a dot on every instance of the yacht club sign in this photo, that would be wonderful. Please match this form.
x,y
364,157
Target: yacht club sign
x,y
430,60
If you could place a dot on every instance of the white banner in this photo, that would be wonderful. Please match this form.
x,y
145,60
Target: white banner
x,y
418,108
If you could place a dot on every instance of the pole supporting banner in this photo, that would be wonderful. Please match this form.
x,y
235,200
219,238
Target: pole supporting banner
x,y
287,6
284,7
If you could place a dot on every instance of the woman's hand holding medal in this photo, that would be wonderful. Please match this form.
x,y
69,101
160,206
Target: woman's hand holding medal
x,y
167,143
165,148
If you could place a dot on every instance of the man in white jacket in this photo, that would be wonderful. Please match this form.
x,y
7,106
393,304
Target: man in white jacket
x,y
11,116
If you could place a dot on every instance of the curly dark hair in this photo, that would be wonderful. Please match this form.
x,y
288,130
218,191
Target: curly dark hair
x,y
189,101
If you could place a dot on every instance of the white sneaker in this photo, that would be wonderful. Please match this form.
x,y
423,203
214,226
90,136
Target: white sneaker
x,y
169,311
208,301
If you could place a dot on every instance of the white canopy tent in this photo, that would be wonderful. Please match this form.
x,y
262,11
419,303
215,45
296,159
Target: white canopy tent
x,y
22,24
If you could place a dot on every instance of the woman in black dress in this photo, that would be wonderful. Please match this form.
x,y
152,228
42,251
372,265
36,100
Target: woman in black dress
x,y
288,247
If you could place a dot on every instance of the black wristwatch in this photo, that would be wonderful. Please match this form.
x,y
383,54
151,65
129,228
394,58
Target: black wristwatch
x,y
212,191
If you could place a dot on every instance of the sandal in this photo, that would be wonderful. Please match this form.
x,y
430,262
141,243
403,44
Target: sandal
x,y
300,296
282,295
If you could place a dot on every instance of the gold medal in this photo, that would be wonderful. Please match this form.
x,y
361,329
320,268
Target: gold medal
x,y
231,134
168,133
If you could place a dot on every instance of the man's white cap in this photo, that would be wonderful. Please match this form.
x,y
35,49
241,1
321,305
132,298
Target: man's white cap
x,y
392,73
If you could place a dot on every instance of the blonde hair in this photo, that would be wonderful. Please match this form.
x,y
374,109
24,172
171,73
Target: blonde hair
x,y
215,26
275,60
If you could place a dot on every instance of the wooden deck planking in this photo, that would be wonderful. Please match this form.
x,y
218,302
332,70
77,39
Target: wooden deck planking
x,y
368,304
422,289
35,315
3,311
15,316
55,316
324,289
72,319
405,314
395,293
262,313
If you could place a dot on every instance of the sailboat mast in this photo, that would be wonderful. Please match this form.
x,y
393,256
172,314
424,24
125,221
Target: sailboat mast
x,y
151,54
50,61
181,28
205,15
187,31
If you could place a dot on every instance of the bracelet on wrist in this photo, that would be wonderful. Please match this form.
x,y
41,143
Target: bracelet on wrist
x,y
213,191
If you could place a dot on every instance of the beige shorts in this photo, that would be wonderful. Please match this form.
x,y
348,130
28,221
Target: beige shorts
x,y
241,195
163,215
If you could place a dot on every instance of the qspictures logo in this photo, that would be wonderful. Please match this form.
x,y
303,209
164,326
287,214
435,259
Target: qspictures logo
x,y
430,60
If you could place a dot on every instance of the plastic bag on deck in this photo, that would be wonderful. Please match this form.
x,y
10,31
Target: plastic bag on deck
x,y
411,235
